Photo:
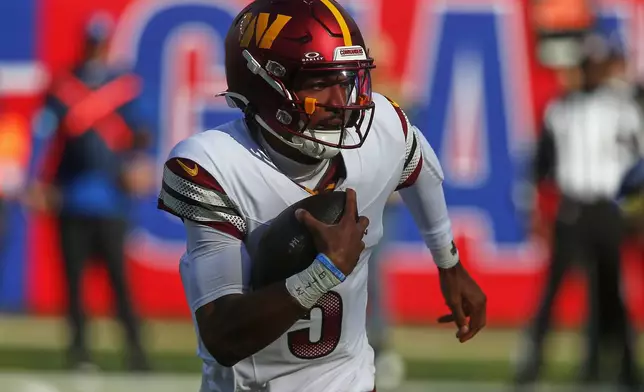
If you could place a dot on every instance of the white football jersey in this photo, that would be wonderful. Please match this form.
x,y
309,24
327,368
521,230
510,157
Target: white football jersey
x,y
242,190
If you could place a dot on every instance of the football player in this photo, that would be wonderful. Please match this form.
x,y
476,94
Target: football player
x,y
299,70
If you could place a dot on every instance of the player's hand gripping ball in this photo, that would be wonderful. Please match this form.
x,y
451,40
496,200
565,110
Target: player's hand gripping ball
x,y
287,247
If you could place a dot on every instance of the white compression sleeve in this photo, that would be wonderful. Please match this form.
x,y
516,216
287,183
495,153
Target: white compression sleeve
x,y
426,201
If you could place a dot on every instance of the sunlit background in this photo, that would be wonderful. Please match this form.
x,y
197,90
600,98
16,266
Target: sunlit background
x,y
471,75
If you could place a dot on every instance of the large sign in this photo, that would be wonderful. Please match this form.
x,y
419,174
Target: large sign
x,y
466,69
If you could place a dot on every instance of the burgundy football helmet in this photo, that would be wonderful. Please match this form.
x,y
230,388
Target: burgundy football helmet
x,y
272,45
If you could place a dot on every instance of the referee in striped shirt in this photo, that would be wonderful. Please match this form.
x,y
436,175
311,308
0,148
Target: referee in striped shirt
x,y
591,138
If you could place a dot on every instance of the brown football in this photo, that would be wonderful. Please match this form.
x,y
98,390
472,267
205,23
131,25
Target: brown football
x,y
286,247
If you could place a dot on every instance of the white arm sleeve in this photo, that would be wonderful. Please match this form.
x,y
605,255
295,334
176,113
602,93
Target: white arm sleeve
x,y
216,265
426,201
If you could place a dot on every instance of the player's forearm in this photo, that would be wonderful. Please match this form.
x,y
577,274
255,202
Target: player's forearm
x,y
426,201
237,326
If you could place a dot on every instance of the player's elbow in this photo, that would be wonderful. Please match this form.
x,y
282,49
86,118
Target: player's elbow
x,y
222,351
219,335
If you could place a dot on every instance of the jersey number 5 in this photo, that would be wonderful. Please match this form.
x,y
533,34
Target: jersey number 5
x,y
299,342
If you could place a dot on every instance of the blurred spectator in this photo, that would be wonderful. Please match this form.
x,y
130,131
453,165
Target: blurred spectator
x,y
570,80
590,139
96,162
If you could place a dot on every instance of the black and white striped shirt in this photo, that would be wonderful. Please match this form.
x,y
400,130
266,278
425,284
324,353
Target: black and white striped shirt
x,y
589,141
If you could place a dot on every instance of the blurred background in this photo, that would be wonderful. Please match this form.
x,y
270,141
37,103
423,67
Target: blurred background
x,y
93,95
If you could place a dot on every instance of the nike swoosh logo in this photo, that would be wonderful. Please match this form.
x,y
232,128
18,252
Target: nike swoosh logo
x,y
192,172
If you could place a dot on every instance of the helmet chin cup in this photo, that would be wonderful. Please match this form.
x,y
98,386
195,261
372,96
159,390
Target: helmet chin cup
x,y
316,150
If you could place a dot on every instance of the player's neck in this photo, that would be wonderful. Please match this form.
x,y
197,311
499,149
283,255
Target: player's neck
x,y
295,169
287,151
279,146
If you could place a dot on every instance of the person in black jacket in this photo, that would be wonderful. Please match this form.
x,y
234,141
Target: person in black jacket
x,y
95,164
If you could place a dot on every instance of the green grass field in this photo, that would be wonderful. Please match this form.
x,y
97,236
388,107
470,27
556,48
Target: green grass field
x,y
431,354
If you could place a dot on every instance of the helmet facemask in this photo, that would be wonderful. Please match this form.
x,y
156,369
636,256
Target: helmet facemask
x,y
316,128
328,105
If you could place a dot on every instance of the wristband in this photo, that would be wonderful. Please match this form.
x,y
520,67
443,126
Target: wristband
x,y
309,285
326,261
446,257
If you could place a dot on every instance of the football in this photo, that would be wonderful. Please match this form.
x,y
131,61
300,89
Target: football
x,y
286,247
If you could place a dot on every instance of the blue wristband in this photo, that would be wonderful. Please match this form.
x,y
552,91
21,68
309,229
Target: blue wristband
x,y
328,264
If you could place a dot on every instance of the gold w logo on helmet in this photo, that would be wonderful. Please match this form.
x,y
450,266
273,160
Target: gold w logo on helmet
x,y
257,26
